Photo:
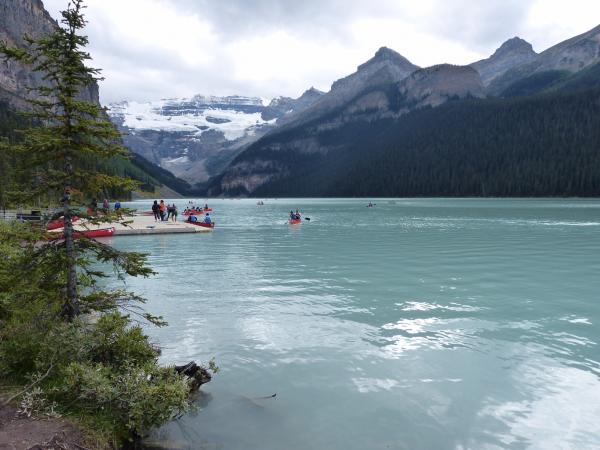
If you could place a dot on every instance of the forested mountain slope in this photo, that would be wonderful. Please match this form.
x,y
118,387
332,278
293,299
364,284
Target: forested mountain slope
x,y
547,145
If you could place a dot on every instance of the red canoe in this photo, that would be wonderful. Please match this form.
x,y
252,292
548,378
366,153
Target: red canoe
x,y
59,223
202,224
193,213
295,221
102,232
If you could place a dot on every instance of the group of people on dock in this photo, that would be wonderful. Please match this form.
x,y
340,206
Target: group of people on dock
x,y
93,206
163,212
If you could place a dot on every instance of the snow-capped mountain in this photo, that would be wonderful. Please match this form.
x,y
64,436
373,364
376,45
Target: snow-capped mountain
x,y
196,137
195,115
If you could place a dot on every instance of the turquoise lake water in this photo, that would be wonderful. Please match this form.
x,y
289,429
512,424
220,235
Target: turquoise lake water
x,y
416,324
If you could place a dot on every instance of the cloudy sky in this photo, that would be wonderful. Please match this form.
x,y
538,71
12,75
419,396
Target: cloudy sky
x,y
151,49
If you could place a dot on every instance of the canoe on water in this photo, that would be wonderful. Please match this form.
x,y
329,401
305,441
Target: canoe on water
x,y
202,224
295,221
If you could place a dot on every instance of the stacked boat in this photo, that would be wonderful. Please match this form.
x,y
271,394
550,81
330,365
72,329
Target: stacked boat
x,y
56,230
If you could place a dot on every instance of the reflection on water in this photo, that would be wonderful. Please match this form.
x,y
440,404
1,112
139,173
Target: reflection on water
x,y
417,324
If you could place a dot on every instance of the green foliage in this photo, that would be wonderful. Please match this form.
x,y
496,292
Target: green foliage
x,y
100,367
106,370
138,397
60,155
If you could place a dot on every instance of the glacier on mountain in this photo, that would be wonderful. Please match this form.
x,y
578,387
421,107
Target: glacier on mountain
x,y
195,115
196,137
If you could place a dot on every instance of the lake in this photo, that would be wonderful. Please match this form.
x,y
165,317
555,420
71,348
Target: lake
x,y
416,324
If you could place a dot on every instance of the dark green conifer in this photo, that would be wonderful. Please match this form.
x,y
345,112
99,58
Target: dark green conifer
x,y
69,131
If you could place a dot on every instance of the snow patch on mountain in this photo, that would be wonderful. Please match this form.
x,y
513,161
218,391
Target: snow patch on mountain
x,y
180,160
196,137
172,115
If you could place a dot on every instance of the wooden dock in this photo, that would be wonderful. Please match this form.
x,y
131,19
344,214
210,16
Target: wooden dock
x,y
142,224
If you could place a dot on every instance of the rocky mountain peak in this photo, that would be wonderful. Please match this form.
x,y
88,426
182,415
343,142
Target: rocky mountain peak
x,y
311,93
512,53
386,66
312,90
572,55
387,55
514,45
430,86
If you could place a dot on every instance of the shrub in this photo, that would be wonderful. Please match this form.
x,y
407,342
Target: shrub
x,y
107,370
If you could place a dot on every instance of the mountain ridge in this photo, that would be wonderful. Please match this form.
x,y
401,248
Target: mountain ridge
x,y
570,56
322,137
386,66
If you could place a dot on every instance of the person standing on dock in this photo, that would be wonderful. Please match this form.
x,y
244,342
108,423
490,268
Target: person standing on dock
x,y
156,211
162,210
174,212
93,207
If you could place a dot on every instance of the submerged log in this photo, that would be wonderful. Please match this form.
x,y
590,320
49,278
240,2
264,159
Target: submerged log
x,y
197,374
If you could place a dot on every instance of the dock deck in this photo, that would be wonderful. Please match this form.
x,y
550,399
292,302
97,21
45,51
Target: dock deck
x,y
141,224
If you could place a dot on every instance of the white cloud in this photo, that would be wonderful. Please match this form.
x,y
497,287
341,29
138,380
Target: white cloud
x,y
150,49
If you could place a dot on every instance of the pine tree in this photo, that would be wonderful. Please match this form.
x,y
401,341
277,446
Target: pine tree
x,y
105,370
69,130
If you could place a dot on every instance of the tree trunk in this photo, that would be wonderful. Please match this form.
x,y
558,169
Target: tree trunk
x,y
70,308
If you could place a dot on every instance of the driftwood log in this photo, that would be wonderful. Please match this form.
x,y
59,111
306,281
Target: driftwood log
x,y
197,374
